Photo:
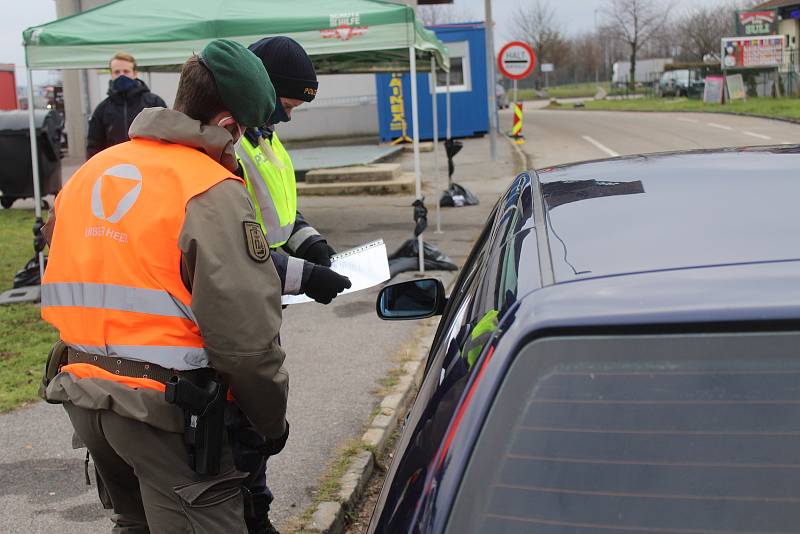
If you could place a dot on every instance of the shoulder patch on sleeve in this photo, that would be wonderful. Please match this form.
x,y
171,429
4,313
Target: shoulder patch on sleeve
x,y
257,246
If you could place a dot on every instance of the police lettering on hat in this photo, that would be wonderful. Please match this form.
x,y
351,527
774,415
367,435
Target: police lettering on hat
x,y
289,67
242,81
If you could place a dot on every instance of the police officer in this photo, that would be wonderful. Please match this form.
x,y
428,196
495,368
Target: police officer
x,y
269,174
301,255
159,273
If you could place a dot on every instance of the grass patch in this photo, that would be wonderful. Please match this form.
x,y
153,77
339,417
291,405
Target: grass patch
x,y
577,90
329,485
24,338
574,90
779,108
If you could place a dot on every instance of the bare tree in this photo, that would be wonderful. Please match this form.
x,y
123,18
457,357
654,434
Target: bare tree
x,y
702,28
431,15
635,22
536,24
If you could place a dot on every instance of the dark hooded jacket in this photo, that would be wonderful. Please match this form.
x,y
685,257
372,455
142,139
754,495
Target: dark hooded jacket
x,y
113,116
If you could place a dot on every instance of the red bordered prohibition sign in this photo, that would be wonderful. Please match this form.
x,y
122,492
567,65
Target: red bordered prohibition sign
x,y
517,52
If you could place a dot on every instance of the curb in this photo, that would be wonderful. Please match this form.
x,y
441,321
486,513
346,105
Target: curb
x,y
329,517
522,160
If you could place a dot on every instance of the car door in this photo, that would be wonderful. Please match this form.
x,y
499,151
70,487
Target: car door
x,y
485,289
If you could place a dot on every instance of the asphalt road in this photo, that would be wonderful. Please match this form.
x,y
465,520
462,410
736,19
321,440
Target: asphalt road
x,y
563,136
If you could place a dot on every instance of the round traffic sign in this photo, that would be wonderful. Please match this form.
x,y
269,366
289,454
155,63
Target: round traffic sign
x,y
516,60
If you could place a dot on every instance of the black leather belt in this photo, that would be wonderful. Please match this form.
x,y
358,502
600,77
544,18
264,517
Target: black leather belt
x,y
122,366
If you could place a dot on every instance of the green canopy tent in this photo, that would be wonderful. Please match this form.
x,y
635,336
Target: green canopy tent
x,y
342,36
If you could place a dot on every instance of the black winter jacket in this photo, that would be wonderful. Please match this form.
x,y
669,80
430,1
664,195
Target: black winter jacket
x,y
112,117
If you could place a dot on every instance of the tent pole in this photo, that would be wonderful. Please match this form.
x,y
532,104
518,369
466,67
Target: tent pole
x,y
447,105
37,193
434,99
412,57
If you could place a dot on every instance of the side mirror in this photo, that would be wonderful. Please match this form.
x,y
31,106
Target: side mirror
x,y
415,299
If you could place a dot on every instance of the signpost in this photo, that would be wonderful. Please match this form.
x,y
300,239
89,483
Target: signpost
x,y
516,61
547,68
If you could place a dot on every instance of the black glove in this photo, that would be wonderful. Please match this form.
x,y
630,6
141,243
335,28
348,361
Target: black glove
x,y
273,446
324,284
319,253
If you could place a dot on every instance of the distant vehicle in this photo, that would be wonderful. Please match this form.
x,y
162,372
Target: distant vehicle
x,y
674,83
618,354
502,97
647,71
681,82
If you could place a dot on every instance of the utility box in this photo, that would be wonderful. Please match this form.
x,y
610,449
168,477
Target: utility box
x,y
469,104
8,87
16,172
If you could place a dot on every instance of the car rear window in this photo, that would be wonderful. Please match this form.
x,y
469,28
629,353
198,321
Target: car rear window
x,y
683,434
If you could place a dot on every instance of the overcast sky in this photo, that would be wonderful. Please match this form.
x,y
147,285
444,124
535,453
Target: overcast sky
x,y
574,16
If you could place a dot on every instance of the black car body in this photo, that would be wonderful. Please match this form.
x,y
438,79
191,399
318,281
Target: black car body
x,y
636,366
682,82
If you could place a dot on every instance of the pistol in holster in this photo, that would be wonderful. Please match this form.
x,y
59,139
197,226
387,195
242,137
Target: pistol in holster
x,y
202,398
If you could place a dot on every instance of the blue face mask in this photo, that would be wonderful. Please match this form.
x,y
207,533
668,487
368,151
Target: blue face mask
x,y
279,115
123,84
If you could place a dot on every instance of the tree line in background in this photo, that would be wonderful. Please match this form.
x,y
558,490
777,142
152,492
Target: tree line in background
x,y
625,30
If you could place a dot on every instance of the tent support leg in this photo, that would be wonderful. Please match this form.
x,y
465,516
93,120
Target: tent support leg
x,y
412,57
449,133
37,193
434,100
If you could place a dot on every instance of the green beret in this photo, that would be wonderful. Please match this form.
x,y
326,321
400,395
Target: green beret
x,y
242,81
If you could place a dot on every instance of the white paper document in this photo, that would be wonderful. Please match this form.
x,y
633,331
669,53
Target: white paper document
x,y
365,266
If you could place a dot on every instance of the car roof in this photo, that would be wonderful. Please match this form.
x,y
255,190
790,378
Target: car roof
x,y
683,237
672,211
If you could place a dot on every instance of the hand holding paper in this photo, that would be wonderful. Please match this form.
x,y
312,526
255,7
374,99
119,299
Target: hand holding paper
x,y
366,266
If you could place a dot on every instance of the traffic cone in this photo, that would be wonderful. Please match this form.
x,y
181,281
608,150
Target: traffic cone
x,y
516,129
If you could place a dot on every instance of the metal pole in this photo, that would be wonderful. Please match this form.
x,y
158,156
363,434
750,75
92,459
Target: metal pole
x,y
434,99
491,78
37,193
447,105
515,93
412,57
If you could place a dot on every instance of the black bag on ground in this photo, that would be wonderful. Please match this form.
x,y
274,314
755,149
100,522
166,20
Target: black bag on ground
x,y
457,196
406,258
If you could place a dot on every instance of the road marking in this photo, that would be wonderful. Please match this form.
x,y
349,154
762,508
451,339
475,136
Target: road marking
x,y
693,121
601,146
720,126
760,136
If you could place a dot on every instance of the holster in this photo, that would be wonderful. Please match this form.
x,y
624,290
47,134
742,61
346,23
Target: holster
x,y
55,359
202,395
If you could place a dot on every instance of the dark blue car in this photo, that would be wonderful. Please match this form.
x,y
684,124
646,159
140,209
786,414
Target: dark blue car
x,y
620,353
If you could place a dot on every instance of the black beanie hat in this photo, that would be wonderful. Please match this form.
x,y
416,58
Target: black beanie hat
x,y
289,67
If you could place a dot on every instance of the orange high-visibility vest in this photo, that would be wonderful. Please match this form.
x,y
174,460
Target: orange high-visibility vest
x,y
113,282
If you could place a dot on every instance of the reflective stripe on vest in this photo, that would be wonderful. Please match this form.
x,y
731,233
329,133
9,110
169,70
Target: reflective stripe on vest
x,y
272,190
113,297
113,284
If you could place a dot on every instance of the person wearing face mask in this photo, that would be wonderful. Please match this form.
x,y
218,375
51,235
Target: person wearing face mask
x,y
301,255
168,305
304,255
127,97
